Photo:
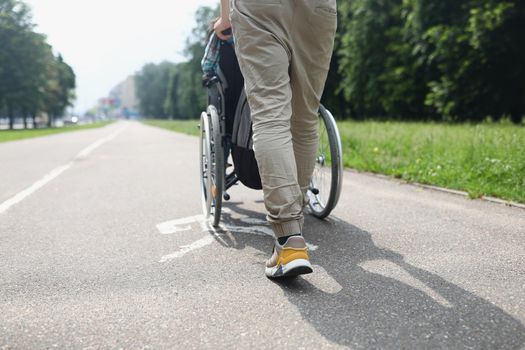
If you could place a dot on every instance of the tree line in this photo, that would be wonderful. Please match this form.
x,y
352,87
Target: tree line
x,y
174,90
33,80
442,60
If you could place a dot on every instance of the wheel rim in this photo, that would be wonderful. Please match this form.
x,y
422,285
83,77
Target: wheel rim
x,y
213,176
217,165
205,166
326,183
322,175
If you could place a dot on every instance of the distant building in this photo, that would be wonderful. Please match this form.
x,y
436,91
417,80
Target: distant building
x,y
122,99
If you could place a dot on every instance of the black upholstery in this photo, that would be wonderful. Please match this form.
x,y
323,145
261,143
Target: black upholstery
x,y
230,68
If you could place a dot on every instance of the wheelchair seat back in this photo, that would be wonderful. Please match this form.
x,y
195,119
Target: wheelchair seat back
x,y
245,164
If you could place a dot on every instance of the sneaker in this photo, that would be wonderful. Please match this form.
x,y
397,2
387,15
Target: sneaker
x,y
289,260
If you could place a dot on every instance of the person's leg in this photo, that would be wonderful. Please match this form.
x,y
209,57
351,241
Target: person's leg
x,y
312,43
264,58
272,47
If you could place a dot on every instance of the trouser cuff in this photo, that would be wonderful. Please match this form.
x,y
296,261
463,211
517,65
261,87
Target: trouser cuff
x,y
288,228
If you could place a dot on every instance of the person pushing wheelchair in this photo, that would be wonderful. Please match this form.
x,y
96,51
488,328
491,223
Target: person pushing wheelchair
x,y
284,48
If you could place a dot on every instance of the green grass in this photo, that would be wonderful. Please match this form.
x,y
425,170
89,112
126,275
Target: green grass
x,y
188,127
13,135
484,160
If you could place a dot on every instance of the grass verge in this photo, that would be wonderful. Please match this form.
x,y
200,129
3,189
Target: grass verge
x,y
189,127
13,135
483,160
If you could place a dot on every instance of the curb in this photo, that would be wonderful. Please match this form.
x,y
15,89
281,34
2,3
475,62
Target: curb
x,y
440,189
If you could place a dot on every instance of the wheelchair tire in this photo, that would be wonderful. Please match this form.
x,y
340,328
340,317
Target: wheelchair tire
x,y
211,165
205,172
218,166
327,178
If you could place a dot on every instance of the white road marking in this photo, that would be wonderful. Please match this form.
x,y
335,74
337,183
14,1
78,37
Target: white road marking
x,y
185,249
312,247
20,196
185,224
179,225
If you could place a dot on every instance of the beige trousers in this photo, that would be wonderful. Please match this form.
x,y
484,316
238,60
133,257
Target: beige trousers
x,y
284,49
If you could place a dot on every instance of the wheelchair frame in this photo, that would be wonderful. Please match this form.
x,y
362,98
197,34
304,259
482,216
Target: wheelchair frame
x,y
215,181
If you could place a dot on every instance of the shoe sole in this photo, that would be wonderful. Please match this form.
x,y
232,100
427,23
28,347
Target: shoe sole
x,y
292,269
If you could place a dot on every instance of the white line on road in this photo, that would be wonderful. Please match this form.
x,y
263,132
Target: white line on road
x,y
179,225
201,243
20,196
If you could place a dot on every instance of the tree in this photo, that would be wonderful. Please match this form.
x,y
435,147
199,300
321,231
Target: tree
x,y
191,96
363,52
59,89
333,96
171,107
32,79
439,59
185,97
15,24
152,88
479,64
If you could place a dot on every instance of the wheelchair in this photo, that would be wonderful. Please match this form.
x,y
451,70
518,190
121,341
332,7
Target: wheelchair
x,y
215,143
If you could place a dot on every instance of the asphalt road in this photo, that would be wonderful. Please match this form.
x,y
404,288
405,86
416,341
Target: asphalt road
x,y
102,246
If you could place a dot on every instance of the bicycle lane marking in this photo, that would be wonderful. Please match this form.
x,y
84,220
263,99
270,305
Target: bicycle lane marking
x,y
53,174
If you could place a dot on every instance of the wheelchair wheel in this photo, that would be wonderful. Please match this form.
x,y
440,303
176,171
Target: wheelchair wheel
x,y
327,178
211,165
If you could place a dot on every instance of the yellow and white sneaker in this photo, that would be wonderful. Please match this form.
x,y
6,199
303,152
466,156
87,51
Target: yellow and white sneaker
x,y
290,259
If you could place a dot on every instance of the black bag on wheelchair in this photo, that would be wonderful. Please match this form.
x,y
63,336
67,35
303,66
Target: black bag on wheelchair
x,y
244,161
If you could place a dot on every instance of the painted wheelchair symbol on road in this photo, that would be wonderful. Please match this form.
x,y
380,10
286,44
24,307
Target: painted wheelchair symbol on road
x,y
253,226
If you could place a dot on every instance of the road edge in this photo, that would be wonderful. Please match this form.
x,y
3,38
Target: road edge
x,y
439,189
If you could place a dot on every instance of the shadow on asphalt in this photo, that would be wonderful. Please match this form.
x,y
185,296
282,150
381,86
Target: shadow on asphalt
x,y
384,302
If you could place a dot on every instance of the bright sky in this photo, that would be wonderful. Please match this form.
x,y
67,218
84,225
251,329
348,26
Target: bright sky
x,y
107,40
